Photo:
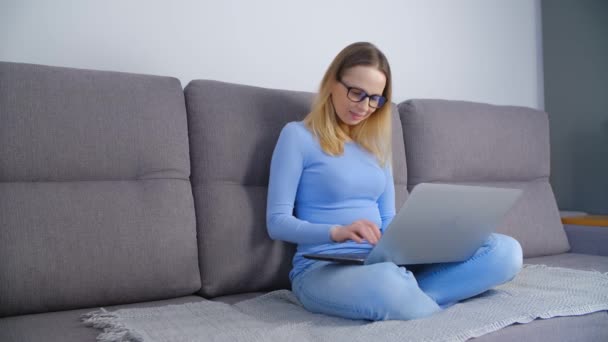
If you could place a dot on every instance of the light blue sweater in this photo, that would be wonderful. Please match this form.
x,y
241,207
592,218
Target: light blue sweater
x,y
310,191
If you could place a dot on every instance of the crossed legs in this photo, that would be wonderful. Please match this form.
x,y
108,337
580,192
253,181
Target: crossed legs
x,y
385,291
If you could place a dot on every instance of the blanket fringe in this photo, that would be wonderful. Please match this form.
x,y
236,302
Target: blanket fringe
x,y
113,330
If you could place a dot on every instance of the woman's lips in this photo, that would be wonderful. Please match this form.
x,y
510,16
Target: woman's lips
x,y
356,116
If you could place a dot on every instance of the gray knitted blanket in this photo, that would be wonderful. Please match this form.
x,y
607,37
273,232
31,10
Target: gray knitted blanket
x,y
537,292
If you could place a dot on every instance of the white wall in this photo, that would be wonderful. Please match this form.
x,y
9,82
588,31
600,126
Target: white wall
x,y
478,50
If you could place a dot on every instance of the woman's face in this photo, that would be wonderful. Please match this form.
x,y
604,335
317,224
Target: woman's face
x,y
366,78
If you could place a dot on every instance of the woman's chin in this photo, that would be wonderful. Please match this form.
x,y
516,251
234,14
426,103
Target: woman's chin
x,y
353,120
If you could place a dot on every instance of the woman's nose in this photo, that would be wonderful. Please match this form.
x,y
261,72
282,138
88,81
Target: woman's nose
x,y
363,104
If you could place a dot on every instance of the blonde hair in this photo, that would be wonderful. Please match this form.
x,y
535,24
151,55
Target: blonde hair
x,y
374,133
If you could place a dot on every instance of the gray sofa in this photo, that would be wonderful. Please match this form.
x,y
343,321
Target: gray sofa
x,y
124,190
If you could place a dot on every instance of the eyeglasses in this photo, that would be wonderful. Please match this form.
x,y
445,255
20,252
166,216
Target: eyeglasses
x,y
357,95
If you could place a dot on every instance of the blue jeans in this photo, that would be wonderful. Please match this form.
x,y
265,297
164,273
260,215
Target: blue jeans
x,y
385,291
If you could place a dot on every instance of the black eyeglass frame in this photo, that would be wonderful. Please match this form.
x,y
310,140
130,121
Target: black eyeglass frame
x,y
379,99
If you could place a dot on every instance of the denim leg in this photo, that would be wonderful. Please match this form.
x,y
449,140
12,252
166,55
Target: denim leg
x,y
380,291
497,261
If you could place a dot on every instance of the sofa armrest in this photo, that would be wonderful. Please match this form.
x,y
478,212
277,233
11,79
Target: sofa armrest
x,y
587,234
570,213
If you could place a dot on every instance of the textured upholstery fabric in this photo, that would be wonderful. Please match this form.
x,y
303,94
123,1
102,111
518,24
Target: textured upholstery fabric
x,y
96,206
588,328
61,124
232,299
65,326
475,143
591,327
587,239
466,141
233,130
585,262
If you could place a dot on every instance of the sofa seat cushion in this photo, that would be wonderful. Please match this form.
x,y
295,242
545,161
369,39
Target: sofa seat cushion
x,y
573,260
65,326
591,327
233,299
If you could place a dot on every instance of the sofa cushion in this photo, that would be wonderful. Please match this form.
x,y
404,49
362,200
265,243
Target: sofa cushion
x,y
96,206
65,326
476,143
591,327
233,299
585,262
233,130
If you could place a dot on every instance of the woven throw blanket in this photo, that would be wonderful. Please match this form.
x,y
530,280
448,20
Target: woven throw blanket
x,y
537,292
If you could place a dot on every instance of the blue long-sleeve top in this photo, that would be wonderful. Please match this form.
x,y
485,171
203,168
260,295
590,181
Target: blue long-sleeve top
x,y
309,192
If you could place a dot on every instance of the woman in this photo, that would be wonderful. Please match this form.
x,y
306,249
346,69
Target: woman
x,y
331,191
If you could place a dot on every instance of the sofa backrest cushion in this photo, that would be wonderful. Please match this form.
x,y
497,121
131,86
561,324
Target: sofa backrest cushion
x,y
96,206
483,144
233,131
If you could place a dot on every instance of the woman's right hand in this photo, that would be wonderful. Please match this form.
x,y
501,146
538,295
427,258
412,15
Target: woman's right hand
x,y
357,231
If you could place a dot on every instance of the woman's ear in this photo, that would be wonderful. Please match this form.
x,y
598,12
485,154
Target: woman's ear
x,y
333,87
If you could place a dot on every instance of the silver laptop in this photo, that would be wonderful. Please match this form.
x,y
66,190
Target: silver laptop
x,y
438,223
